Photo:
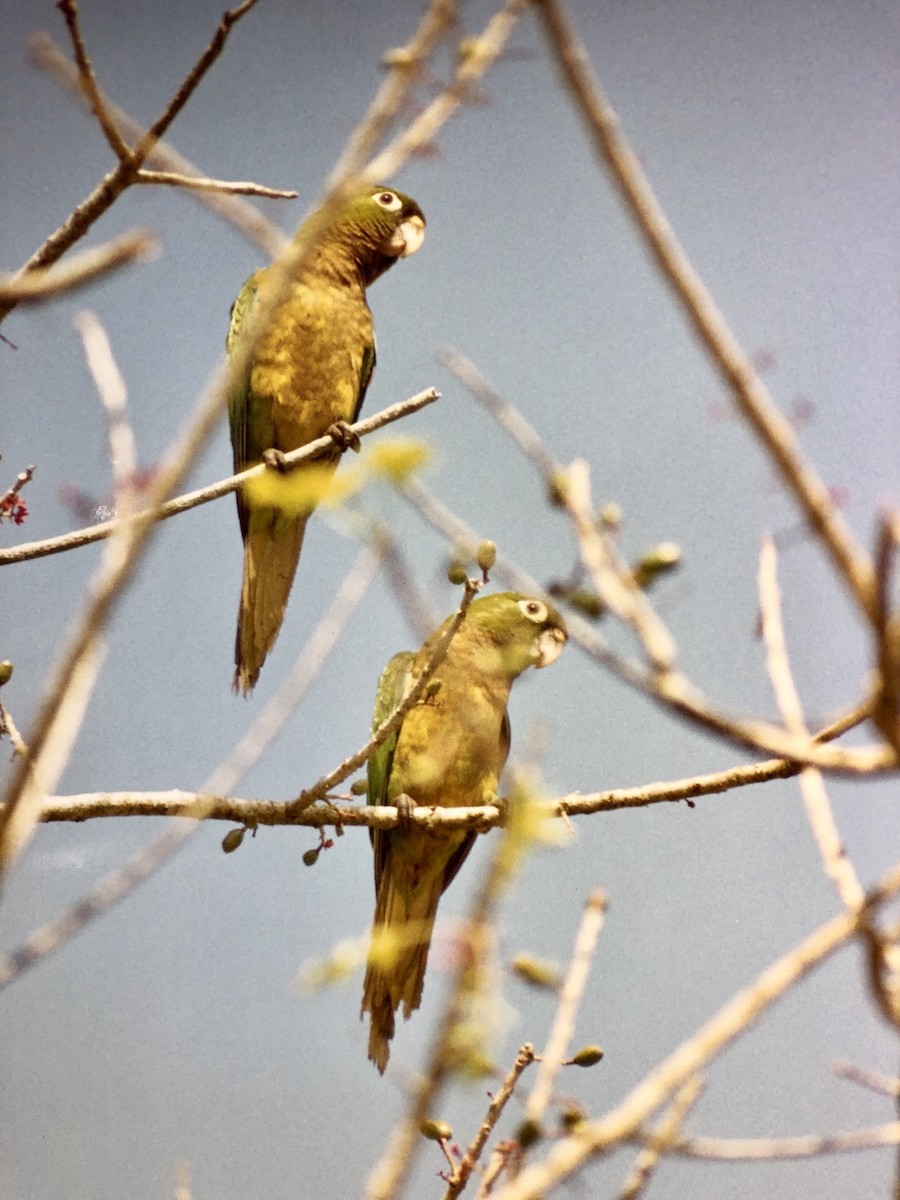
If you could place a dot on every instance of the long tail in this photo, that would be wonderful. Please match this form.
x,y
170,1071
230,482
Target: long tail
x,y
271,554
395,972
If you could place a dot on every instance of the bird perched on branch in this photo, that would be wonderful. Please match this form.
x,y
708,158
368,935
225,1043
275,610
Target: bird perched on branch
x,y
449,751
307,377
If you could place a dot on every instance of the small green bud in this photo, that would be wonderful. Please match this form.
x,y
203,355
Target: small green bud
x,y
432,687
233,839
528,1133
311,857
436,1131
587,602
611,516
558,489
587,1056
486,556
6,670
571,1117
536,971
662,558
457,574
359,787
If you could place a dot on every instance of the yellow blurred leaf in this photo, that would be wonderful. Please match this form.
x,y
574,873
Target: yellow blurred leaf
x,y
298,492
396,459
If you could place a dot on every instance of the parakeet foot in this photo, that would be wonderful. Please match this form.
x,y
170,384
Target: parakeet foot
x,y
344,437
275,460
405,805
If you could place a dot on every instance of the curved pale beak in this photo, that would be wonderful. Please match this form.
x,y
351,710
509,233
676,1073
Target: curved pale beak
x,y
408,237
548,646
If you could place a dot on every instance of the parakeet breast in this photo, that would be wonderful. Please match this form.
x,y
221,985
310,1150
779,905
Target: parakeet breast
x,y
450,750
310,364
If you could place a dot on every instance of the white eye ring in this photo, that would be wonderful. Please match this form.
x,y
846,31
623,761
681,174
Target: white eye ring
x,y
534,610
388,200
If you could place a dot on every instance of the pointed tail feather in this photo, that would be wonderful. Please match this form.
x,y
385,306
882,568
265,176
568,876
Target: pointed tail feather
x,y
271,554
395,972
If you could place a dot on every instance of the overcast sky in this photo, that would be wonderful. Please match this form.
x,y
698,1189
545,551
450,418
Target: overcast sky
x,y
171,1028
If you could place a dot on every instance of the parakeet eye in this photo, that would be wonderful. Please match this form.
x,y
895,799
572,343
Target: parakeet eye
x,y
534,610
389,200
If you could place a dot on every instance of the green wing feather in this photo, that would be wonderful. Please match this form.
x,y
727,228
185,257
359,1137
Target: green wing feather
x,y
252,430
392,687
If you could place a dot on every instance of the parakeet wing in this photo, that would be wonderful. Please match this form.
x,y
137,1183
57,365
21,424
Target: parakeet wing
x,y
392,686
252,431
365,378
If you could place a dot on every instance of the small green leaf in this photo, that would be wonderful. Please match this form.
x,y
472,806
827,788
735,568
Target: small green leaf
x,y
233,839
528,1133
536,971
587,1056
436,1131
486,556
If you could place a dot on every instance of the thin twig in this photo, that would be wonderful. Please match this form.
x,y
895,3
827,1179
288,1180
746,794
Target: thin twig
x,y
835,861
469,1160
111,388
46,283
192,80
482,52
105,529
8,725
120,883
405,65
567,1009
661,1140
753,734
770,1149
736,1017
887,630
885,1085
736,368
227,187
69,10
613,580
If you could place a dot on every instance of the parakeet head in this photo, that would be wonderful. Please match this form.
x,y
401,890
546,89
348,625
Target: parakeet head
x,y
526,631
378,226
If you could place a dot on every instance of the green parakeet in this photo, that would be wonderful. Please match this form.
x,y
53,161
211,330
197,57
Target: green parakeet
x,y
309,372
449,751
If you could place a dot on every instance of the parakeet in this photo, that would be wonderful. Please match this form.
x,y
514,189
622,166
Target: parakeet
x,y
448,751
309,373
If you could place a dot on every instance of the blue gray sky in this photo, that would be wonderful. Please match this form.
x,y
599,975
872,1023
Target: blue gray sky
x,y
171,1028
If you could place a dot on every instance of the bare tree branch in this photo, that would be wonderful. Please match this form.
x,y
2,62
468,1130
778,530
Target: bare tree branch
x,y
249,221
464,1168
122,175
747,388
759,736
105,529
837,864
224,186
570,996
661,1140
45,283
770,1149
735,1018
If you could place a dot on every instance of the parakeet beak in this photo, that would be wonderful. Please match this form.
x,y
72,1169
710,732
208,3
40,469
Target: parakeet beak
x,y
548,646
408,237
